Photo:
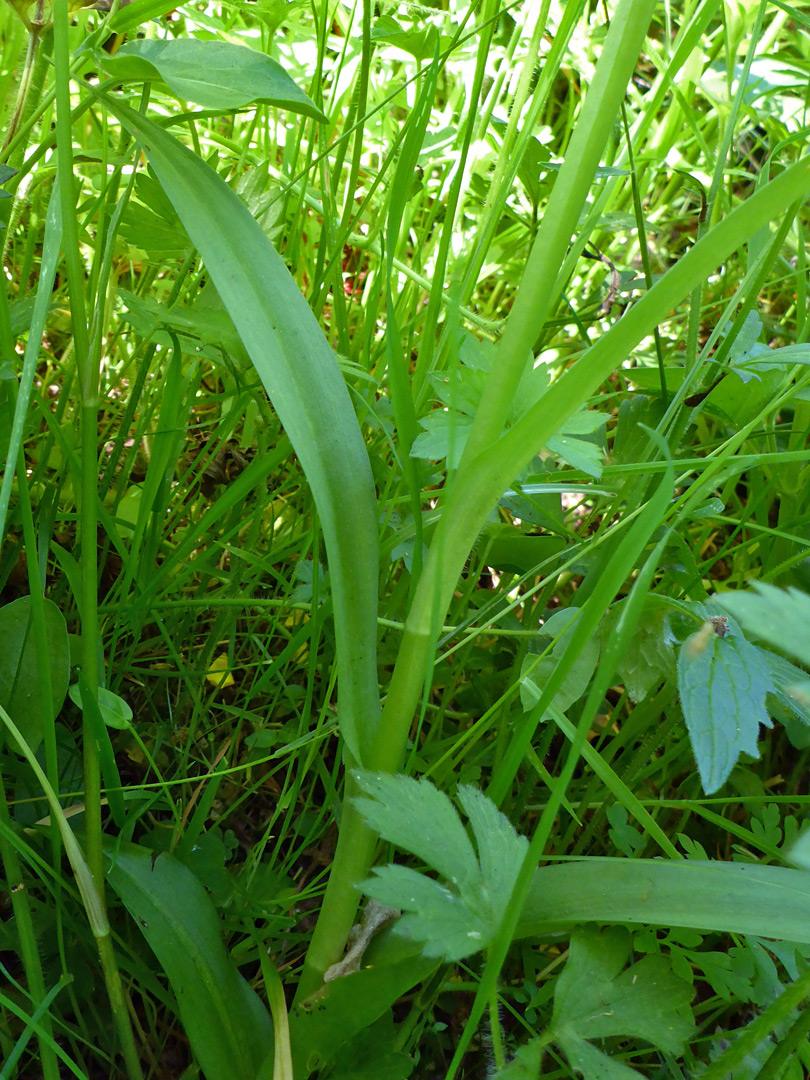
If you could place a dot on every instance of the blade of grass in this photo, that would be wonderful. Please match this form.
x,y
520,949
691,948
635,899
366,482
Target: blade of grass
x,y
94,906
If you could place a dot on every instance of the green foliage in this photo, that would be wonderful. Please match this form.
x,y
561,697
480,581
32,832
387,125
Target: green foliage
x,y
225,1020
412,390
454,920
214,74
723,681
595,998
20,685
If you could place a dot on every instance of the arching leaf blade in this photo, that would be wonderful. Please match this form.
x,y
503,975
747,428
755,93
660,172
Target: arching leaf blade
x,y
301,376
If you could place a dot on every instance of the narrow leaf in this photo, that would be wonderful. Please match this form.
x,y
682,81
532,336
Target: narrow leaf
x,y
766,901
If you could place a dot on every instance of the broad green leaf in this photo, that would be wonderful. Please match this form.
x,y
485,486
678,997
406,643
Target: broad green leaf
x,y
115,712
214,74
203,324
302,378
443,436
19,678
372,1055
740,898
723,680
595,999
649,659
421,44
454,920
228,1027
580,454
506,547
779,616
526,1063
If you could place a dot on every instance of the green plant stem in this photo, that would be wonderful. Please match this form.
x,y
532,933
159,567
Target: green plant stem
x,y
32,79
536,294
477,488
30,93
353,857
88,383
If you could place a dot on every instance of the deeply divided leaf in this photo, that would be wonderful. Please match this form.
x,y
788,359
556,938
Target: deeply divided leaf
x,y
461,917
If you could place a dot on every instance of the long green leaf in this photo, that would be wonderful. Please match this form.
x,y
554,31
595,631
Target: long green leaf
x,y
228,1027
302,378
768,901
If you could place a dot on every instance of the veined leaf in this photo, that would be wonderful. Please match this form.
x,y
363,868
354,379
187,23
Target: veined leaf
x,y
723,680
214,74
595,999
301,375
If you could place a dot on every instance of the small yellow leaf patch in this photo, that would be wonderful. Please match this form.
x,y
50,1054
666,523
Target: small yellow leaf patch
x,y
218,674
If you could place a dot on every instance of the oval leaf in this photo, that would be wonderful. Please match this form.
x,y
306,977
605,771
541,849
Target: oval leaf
x,y
214,74
19,672
722,680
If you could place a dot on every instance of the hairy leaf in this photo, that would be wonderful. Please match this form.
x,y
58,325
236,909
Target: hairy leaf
x,y
722,680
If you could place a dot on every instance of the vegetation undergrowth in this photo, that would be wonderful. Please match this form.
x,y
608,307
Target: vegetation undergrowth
x,y
405,526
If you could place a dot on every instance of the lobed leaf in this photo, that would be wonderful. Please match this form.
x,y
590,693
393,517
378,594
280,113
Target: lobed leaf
x,y
416,816
595,999
461,918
